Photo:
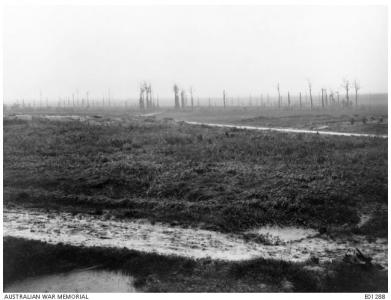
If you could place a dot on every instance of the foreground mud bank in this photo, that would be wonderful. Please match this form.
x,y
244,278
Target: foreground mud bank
x,y
286,244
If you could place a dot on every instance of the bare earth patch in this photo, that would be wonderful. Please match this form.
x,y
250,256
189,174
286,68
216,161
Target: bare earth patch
x,y
90,230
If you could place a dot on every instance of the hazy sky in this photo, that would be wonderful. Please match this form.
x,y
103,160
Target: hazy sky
x,y
243,49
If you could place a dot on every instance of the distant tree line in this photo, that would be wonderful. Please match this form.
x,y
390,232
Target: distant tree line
x,y
184,99
327,98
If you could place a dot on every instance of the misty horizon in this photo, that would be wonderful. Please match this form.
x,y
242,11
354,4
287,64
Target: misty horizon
x,y
243,50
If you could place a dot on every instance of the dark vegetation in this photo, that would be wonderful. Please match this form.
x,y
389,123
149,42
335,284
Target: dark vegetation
x,y
221,179
156,273
376,226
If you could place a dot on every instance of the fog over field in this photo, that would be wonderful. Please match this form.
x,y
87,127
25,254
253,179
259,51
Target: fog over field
x,y
57,51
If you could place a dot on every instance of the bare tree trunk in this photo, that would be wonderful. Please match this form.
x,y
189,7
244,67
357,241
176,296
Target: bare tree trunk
x,y
177,100
183,99
141,99
300,100
356,97
325,98
192,99
176,90
346,87
356,88
310,89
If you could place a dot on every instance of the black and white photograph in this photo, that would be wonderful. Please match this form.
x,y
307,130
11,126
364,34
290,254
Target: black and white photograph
x,y
195,148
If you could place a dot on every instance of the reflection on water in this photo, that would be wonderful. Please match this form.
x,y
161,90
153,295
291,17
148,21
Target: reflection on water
x,y
81,281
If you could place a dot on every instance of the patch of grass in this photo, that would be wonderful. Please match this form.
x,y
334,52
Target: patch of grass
x,y
223,179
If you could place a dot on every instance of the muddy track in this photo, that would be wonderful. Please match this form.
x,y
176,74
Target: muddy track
x,y
289,130
91,230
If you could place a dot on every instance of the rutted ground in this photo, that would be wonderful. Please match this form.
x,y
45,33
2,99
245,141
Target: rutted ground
x,y
91,230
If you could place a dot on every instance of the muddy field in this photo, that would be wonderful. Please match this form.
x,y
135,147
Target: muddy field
x,y
237,197
287,244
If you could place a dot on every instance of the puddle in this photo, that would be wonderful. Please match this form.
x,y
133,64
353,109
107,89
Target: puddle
x,y
292,130
150,114
322,127
19,117
63,118
79,281
90,230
